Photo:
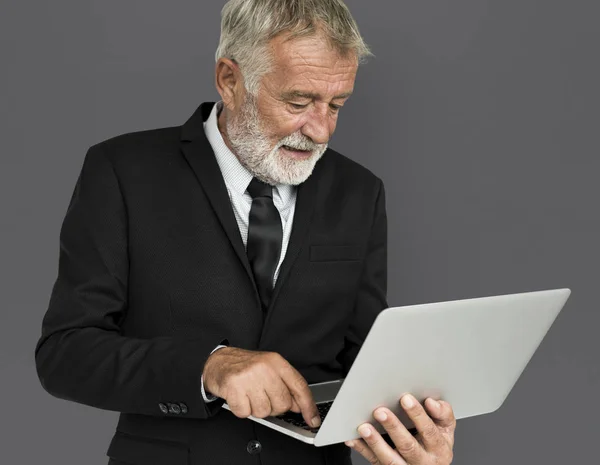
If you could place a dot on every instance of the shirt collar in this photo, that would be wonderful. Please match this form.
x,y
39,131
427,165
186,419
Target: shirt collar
x,y
235,174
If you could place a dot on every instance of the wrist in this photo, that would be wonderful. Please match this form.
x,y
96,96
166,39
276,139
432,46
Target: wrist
x,y
210,368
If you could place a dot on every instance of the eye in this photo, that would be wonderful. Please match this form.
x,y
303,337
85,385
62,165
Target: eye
x,y
297,106
335,108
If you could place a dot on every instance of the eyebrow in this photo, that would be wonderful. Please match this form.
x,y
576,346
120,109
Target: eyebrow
x,y
299,94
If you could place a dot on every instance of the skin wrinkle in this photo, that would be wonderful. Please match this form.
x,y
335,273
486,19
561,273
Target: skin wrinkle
x,y
255,127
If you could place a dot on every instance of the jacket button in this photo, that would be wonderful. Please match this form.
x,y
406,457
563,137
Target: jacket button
x,y
163,408
184,408
254,447
174,408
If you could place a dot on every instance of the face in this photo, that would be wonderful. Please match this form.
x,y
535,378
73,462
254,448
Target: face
x,y
280,134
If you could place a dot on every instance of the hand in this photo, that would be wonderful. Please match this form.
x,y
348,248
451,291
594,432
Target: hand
x,y
260,384
432,444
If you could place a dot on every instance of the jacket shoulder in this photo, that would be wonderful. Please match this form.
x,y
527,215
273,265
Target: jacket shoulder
x,y
348,170
133,145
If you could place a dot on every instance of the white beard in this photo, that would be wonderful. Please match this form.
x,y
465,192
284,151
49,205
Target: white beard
x,y
270,165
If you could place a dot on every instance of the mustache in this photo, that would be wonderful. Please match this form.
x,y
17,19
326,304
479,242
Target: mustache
x,y
300,142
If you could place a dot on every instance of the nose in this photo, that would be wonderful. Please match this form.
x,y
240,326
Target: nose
x,y
317,127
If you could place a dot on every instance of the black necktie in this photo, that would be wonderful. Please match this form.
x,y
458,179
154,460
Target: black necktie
x,y
265,236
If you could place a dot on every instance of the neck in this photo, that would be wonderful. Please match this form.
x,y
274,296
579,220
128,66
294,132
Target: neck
x,y
222,125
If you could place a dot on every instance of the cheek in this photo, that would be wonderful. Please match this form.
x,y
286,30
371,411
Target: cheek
x,y
276,122
288,124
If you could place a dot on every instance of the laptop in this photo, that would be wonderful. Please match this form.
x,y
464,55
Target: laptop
x,y
469,353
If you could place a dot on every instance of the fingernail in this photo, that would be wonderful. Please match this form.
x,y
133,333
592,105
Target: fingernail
x,y
316,422
437,404
380,415
349,443
364,431
408,401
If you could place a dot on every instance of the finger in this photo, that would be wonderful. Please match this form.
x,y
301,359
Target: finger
x,y
302,394
428,430
295,406
404,439
239,405
382,450
280,397
260,404
442,414
360,446
444,417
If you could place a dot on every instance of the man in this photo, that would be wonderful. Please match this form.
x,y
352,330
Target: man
x,y
235,258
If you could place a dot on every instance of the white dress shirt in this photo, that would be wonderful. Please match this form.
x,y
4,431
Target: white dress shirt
x,y
237,178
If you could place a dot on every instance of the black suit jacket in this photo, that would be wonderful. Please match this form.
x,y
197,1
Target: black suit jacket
x,y
153,275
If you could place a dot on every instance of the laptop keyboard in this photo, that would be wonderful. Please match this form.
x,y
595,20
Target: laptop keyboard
x,y
297,420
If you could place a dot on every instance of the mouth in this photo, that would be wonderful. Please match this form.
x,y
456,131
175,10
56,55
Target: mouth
x,y
296,152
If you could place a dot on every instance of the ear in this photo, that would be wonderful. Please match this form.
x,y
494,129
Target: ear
x,y
229,82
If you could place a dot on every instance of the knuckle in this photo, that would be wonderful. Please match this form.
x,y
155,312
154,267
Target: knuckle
x,y
240,410
233,399
261,410
417,411
430,431
283,404
452,426
359,446
276,411
303,395
261,413
272,358
243,413
262,365
291,373
391,425
300,382
283,393
279,408
280,394
371,441
448,410
407,447
395,429
375,442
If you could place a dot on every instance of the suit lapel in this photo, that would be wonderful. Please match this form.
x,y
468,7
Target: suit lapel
x,y
201,158
305,206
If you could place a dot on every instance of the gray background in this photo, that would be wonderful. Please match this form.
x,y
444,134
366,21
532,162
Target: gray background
x,y
480,116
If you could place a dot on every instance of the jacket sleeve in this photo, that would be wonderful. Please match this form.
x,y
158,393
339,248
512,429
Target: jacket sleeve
x,y
81,355
371,297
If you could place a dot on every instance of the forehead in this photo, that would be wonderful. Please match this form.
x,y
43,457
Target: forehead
x,y
310,64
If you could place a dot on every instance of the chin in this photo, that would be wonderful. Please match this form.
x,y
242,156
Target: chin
x,y
294,177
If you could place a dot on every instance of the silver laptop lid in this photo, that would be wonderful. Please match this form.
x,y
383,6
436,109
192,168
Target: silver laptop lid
x,y
467,352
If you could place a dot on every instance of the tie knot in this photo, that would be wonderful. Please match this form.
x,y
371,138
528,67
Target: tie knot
x,y
258,188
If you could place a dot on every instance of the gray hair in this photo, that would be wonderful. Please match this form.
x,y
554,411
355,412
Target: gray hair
x,y
247,26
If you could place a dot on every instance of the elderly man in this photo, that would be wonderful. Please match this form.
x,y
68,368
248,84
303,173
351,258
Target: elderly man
x,y
235,258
